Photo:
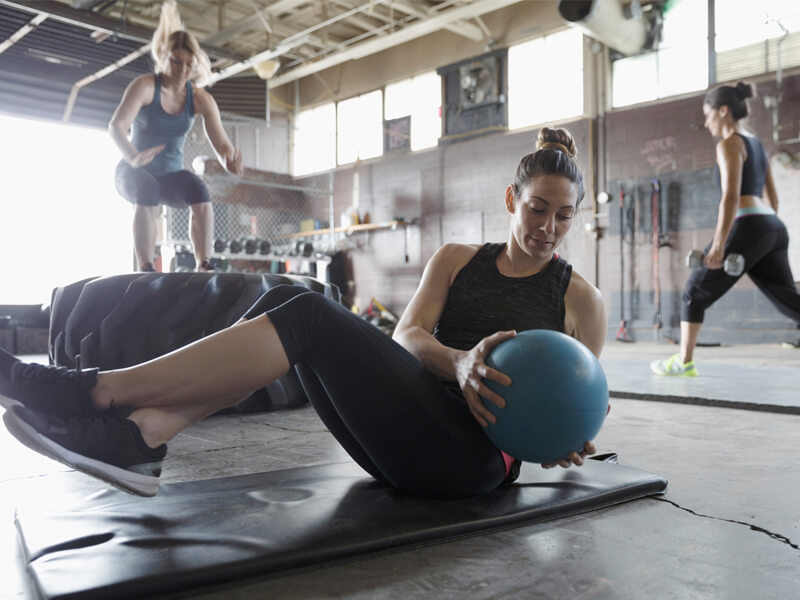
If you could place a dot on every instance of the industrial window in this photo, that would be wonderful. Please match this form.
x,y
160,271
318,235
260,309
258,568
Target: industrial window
x,y
62,217
359,127
420,98
754,37
679,65
314,140
545,79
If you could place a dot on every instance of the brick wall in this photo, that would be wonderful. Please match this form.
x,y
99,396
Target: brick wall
x,y
667,142
456,192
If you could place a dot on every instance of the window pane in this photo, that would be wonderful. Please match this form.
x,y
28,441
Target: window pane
x,y
421,98
360,127
685,23
59,196
677,66
753,22
426,114
399,98
540,88
680,70
751,39
634,79
315,140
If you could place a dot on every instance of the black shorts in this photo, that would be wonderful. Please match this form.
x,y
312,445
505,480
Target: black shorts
x,y
177,190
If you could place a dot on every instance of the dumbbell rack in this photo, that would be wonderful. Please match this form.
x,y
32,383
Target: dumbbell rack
x,y
264,211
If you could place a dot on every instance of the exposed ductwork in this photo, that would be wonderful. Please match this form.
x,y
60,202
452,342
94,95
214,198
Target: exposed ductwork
x,y
627,27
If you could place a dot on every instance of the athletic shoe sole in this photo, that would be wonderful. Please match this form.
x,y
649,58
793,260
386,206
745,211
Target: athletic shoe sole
x,y
123,479
7,402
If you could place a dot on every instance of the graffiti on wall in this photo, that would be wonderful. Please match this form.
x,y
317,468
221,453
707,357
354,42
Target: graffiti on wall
x,y
660,153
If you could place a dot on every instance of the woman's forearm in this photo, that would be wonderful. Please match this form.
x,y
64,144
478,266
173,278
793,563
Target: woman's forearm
x,y
122,142
437,358
725,217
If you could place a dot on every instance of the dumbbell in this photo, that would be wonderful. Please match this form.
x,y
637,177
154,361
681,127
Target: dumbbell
x,y
264,247
733,265
235,246
220,246
250,245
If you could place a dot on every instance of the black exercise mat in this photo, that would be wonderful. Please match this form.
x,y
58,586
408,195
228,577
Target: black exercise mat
x,y
220,531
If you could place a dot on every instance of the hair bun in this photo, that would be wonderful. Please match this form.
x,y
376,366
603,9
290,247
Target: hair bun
x,y
557,139
745,90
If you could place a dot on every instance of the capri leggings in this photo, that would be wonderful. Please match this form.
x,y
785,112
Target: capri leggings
x,y
763,242
177,190
396,419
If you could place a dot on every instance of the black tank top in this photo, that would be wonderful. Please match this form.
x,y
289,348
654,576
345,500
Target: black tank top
x,y
754,168
482,301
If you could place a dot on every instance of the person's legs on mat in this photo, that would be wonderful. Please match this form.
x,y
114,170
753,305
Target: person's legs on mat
x,y
370,390
157,421
418,435
311,385
140,408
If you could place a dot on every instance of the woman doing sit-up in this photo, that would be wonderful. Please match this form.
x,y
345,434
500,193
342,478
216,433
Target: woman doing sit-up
x,y
407,409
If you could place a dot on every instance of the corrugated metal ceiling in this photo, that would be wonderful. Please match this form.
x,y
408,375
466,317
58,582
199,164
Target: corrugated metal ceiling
x,y
38,71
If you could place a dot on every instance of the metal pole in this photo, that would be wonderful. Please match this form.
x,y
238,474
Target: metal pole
x,y
712,52
330,210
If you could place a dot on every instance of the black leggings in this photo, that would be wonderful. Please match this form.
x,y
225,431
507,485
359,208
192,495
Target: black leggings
x,y
178,190
763,242
395,418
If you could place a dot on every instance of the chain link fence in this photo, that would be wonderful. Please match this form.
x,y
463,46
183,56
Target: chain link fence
x,y
262,220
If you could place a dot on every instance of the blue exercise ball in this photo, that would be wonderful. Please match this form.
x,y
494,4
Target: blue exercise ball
x,y
557,400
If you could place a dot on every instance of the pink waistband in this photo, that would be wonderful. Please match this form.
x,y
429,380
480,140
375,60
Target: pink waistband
x,y
509,460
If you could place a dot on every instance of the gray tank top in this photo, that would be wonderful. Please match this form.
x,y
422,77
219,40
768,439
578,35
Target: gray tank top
x,y
482,301
153,127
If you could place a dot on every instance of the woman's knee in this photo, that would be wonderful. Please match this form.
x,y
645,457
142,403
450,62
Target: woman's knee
x,y
694,303
273,298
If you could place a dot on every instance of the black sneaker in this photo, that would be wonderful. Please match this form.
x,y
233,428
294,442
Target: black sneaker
x,y
147,268
106,446
48,390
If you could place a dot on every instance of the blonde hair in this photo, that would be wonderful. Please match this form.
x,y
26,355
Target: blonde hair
x,y
171,35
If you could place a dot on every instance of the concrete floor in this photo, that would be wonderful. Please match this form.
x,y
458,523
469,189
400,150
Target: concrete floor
x,y
728,526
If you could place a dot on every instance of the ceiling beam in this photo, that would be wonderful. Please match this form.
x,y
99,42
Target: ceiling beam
x,y
281,49
78,85
22,32
464,29
411,32
66,14
254,20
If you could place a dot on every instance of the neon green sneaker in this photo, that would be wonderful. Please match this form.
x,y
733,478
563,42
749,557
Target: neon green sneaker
x,y
674,367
